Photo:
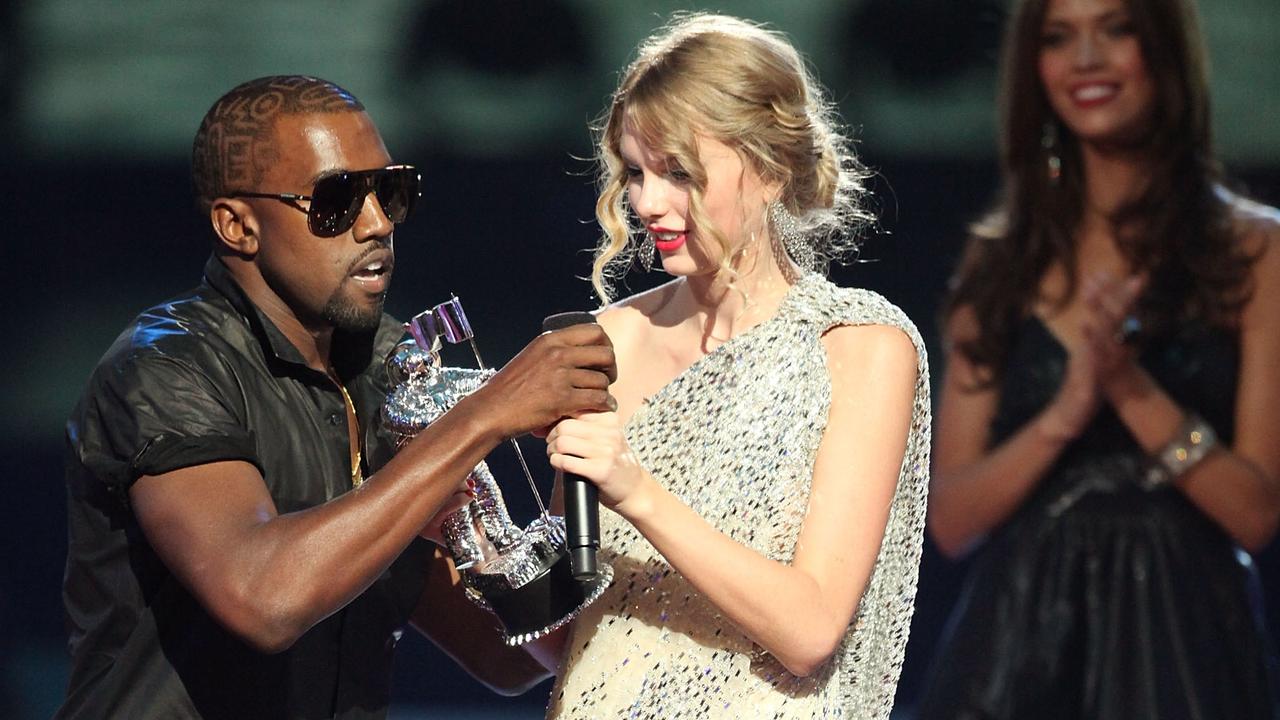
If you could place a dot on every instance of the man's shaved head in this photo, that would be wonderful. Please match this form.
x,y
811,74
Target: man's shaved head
x,y
236,141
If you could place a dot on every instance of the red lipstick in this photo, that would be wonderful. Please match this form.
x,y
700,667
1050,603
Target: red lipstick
x,y
667,240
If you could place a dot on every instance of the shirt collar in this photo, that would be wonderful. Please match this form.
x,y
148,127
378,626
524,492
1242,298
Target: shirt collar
x,y
350,353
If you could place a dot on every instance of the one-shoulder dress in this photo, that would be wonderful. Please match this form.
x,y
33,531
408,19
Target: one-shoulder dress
x,y
735,437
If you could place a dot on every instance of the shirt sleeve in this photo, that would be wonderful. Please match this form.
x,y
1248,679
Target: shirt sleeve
x,y
153,413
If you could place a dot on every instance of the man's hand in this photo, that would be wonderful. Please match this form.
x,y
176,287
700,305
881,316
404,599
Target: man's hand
x,y
559,374
434,529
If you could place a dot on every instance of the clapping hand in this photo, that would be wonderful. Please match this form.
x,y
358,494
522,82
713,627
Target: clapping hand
x,y
1107,329
1109,326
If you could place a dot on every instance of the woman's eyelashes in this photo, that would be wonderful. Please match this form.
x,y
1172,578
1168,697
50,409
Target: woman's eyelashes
x,y
1053,38
1121,28
674,173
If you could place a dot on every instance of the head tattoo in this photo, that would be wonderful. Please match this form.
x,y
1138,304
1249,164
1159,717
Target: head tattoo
x,y
236,141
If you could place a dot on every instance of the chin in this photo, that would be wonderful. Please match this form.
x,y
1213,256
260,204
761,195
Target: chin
x,y
1116,139
1122,129
681,266
687,264
354,317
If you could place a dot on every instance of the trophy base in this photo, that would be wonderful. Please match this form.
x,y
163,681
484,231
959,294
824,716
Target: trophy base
x,y
547,602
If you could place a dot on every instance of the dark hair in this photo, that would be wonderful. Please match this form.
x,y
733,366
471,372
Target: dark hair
x,y
236,140
1177,232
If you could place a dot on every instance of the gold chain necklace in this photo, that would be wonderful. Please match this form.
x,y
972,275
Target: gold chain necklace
x,y
353,435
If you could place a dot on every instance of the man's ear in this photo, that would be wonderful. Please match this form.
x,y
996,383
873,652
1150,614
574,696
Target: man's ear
x,y
235,225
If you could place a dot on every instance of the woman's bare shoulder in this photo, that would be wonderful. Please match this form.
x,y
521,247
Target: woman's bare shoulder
x,y
1257,228
631,316
1256,224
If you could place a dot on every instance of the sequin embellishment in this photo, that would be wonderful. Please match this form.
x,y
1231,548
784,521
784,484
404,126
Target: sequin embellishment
x,y
735,437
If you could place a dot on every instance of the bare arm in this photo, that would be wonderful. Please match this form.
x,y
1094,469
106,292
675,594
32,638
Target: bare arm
x,y
470,635
269,577
1237,485
800,611
975,488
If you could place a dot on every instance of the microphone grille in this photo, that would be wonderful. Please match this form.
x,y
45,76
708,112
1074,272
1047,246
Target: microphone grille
x,y
559,321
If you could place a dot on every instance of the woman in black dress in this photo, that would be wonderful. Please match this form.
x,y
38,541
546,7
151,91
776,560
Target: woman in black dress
x,y
1108,438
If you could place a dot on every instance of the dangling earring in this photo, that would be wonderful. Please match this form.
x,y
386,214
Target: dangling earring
x,y
750,246
1053,160
785,229
645,250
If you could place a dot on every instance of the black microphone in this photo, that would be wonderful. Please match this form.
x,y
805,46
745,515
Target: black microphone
x,y
581,497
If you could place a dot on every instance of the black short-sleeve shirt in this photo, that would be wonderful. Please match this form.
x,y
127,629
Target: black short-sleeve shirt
x,y
207,377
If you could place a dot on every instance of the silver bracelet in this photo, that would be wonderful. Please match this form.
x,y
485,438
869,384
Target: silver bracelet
x,y
1193,441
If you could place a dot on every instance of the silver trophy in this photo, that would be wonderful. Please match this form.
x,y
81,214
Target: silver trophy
x,y
523,576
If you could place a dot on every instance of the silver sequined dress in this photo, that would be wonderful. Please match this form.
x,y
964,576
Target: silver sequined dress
x,y
735,437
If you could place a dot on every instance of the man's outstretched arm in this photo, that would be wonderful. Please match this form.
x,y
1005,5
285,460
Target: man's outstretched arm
x,y
269,577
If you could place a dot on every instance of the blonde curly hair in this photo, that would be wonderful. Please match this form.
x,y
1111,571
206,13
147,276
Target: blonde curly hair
x,y
747,87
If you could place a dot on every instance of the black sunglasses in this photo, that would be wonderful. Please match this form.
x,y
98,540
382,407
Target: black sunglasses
x,y
336,199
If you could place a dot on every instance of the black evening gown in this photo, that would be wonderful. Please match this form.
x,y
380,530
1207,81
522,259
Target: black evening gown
x,y
1099,599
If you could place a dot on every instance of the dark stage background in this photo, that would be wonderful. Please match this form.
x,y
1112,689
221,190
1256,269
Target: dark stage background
x,y
98,102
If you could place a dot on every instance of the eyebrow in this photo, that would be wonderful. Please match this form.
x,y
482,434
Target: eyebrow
x,y
1106,16
327,172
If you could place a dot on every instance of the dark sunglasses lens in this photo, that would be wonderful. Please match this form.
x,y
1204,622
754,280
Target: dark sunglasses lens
x,y
397,189
334,204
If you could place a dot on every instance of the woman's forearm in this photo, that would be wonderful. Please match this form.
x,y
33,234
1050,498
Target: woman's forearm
x,y
784,609
1225,485
967,502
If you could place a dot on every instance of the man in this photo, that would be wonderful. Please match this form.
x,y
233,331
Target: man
x,y
240,545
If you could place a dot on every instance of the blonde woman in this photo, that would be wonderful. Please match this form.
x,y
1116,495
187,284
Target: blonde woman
x,y
766,466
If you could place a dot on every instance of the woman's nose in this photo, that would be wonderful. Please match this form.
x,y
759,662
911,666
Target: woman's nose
x,y
649,199
1088,52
